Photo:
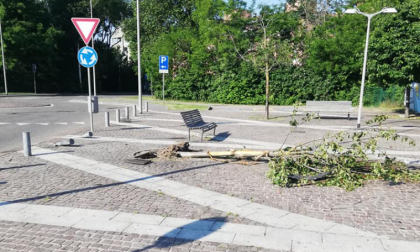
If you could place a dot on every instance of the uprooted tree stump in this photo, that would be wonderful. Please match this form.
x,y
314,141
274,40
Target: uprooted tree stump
x,y
169,152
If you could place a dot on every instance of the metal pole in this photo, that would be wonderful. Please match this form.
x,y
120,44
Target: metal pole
x,y
147,106
134,110
26,137
127,113
163,93
80,73
117,116
90,102
359,115
93,46
139,59
151,86
106,119
35,82
4,64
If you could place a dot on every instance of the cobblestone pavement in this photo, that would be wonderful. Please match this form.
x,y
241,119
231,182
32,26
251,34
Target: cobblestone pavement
x,y
25,237
43,183
392,210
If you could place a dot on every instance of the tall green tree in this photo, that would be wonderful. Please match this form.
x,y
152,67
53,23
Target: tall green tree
x,y
395,48
270,43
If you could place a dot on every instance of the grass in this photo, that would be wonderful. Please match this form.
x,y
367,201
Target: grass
x,y
171,105
149,98
14,93
178,106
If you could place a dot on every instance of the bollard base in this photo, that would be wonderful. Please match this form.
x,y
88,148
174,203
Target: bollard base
x,y
89,134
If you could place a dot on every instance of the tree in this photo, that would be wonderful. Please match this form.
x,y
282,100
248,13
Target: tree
x,y
335,52
269,36
395,48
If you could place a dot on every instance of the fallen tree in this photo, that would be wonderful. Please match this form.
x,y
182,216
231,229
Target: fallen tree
x,y
342,159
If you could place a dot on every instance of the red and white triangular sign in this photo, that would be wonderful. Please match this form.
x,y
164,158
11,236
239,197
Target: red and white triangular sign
x,y
86,27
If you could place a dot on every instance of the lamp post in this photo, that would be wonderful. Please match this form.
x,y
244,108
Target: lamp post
x,y
2,57
369,16
139,58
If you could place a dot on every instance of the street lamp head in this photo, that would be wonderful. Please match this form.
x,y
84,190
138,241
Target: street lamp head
x,y
351,11
389,10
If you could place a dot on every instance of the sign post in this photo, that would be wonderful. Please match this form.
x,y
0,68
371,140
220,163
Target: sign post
x,y
2,57
87,56
163,68
34,71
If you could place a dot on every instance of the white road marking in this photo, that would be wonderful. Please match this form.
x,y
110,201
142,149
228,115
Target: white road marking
x,y
44,124
4,123
81,123
245,142
257,212
169,142
22,124
61,123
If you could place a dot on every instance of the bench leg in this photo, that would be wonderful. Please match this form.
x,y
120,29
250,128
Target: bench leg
x,y
189,135
348,116
202,135
214,132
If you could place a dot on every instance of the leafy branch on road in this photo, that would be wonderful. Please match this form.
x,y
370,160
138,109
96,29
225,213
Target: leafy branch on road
x,y
345,159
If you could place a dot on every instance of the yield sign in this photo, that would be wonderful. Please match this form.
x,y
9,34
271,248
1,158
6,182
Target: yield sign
x,y
86,27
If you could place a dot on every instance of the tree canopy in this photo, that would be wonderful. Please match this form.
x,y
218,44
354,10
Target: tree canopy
x,y
217,48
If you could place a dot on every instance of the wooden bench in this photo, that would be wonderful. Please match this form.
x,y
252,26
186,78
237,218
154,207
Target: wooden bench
x,y
193,120
337,107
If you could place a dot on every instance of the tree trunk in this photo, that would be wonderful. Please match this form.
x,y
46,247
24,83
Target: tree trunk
x,y
407,102
267,91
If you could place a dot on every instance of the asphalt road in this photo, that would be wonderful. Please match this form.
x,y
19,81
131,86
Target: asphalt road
x,y
19,114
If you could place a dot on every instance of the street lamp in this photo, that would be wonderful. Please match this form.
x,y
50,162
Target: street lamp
x,y
139,58
369,16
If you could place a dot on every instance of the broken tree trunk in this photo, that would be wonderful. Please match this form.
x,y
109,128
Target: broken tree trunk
x,y
231,153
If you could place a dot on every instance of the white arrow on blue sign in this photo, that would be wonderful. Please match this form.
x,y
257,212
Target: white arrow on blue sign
x,y
87,56
163,64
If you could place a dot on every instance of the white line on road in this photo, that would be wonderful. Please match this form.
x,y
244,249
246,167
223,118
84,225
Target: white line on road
x,y
22,124
61,123
44,124
80,123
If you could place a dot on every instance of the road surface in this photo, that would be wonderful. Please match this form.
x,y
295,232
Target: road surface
x,y
45,117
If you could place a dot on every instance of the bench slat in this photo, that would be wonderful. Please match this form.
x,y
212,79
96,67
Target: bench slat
x,y
193,120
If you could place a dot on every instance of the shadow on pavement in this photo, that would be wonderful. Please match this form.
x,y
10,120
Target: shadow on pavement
x,y
19,167
104,186
189,233
221,137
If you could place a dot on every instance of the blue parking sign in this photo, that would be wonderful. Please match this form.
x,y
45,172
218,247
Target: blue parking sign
x,y
163,64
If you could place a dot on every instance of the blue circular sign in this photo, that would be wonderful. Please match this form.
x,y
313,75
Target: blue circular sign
x,y
87,56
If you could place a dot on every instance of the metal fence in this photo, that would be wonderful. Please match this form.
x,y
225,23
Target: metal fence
x,y
375,96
